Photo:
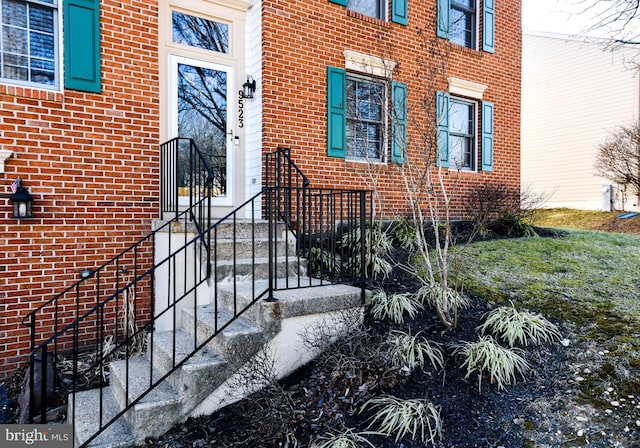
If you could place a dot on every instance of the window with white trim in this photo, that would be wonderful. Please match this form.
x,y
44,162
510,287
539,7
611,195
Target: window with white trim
x,y
463,23
462,134
458,22
366,118
29,42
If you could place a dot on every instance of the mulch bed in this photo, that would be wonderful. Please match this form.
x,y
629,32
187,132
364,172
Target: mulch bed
x,y
324,397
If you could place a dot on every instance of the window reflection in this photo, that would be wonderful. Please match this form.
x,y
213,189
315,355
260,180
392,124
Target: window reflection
x,y
200,33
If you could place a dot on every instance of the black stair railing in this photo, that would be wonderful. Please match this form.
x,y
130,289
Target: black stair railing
x,y
321,220
116,311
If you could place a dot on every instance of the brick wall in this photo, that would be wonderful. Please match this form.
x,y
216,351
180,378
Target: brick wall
x,y
91,162
302,38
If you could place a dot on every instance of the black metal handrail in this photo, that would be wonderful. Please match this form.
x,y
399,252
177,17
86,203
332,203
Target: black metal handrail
x,y
186,173
108,302
282,173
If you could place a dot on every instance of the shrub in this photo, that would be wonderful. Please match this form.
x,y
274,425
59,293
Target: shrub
x,y
429,295
486,356
394,306
519,327
377,245
346,439
416,417
403,234
409,352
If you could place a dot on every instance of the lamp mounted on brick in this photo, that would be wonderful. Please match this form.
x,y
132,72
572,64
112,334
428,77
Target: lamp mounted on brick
x,y
249,87
21,200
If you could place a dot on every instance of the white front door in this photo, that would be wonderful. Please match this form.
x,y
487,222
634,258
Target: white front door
x,y
201,92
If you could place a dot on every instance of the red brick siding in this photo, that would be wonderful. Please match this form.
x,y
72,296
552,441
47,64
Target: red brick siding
x,y
91,162
302,38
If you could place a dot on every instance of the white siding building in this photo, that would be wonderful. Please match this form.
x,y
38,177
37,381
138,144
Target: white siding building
x,y
574,93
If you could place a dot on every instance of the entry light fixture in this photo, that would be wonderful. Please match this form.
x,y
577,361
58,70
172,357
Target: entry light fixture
x,y
21,200
249,87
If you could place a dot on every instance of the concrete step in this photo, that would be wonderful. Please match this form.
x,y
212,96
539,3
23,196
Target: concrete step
x,y
258,267
311,296
157,411
88,420
226,248
237,340
242,228
198,376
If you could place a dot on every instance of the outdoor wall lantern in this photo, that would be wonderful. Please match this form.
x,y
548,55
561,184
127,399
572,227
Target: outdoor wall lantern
x,y
249,87
22,201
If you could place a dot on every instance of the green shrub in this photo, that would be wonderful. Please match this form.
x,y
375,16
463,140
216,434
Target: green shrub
x,y
429,295
417,417
519,327
407,351
346,439
377,246
403,234
487,356
394,306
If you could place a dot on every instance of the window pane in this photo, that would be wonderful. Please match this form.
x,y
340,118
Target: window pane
x,y
40,18
200,33
372,8
469,4
14,13
462,28
460,118
460,153
15,40
42,45
15,67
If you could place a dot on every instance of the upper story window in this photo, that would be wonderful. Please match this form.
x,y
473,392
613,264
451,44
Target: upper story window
x,y
458,21
366,100
200,33
379,9
463,23
372,8
29,42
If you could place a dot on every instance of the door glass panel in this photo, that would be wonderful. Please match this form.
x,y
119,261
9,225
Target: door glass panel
x,y
202,116
200,33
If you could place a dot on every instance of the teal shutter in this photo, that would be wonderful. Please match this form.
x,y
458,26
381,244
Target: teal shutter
x,y
82,45
442,117
339,2
399,123
336,112
488,26
400,11
444,8
487,136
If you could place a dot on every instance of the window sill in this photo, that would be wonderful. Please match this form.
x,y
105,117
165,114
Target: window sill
x,y
365,18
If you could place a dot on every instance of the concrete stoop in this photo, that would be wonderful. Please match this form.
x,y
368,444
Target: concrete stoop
x,y
205,382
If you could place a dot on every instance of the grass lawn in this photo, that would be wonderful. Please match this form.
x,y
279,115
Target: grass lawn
x,y
589,283
587,220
